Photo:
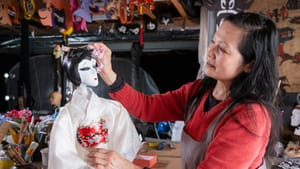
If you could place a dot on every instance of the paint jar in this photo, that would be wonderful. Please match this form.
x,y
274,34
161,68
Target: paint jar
x,y
44,153
5,162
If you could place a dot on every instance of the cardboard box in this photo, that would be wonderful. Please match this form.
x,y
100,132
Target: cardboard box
x,y
145,160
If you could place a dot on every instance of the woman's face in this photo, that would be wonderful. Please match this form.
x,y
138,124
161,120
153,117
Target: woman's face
x,y
87,72
224,61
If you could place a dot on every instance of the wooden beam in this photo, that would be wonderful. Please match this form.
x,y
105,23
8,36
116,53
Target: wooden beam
x,y
179,8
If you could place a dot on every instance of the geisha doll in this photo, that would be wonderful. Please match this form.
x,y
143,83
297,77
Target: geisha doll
x,y
88,120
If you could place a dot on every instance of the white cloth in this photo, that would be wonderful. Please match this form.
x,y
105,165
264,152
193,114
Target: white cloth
x,y
207,27
65,152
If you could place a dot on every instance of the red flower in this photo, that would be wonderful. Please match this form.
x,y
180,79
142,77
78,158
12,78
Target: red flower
x,y
92,135
18,114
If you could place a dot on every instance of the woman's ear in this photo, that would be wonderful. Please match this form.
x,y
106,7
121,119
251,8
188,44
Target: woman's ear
x,y
248,67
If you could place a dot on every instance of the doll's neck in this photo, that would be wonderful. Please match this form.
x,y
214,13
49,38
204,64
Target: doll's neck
x,y
85,91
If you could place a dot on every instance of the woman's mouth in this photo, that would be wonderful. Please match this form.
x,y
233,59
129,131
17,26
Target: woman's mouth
x,y
210,65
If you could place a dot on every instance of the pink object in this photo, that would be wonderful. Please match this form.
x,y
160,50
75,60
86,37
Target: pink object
x,y
45,16
98,53
79,23
84,11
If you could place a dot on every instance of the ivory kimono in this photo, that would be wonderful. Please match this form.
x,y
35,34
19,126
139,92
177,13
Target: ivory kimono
x,y
87,109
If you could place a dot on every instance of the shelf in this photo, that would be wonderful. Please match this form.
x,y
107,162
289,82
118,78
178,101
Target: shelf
x,y
154,41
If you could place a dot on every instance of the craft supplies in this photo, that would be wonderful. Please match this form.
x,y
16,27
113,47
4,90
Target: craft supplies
x,y
145,160
44,153
30,150
13,154
5,161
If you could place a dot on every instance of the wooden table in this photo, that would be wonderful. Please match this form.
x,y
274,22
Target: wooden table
x,y
166,159
38,164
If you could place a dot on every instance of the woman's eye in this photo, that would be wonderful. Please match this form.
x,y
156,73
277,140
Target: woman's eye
x,y
222,50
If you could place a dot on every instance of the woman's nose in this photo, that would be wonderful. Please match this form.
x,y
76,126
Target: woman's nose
x,y
211,50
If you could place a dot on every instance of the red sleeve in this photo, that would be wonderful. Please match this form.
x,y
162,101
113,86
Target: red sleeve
x,y
168,106
241,141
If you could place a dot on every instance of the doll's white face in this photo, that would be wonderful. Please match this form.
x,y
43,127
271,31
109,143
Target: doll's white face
x,y
87,72
295,118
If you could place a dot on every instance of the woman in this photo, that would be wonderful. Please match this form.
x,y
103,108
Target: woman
x,y
232,111
88,120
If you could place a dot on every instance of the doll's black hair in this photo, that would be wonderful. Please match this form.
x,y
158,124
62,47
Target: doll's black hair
x,y
71,60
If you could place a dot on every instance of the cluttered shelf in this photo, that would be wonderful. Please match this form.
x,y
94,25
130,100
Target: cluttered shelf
x,y
287,150
25,137
159,20
180,33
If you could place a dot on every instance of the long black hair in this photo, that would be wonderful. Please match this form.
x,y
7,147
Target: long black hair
x,y
259,48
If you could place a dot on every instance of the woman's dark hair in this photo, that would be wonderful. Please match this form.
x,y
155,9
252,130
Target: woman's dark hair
x,y
71,59
259,48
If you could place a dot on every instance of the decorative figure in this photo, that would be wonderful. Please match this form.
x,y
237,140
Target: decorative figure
x,y
88,120
9,12
55,100
57,14
295,120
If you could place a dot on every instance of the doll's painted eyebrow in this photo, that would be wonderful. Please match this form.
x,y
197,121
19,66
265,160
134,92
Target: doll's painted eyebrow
x,y
85,68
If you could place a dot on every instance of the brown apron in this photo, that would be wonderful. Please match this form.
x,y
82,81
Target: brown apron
x,y
192,151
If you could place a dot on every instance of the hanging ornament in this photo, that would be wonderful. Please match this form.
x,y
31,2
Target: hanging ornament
x,y
126,13
141,40
29,8
66,32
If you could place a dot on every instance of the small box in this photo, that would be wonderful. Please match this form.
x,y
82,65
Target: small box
x,y
145,160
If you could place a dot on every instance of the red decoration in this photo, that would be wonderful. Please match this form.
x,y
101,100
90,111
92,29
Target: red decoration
x,y
89,136
126,12
141,35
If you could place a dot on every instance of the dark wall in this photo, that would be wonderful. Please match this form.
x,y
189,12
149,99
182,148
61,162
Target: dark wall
x,y
8,61
169,69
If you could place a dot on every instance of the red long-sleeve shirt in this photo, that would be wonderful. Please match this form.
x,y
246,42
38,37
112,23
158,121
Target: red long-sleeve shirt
x,y
240,140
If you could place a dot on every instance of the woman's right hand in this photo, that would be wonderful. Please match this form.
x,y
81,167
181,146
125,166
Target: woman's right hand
x,y
100,158
103,59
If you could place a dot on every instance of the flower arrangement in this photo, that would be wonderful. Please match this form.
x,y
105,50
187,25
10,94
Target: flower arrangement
x,y
89,136
25,129
22,129
17,115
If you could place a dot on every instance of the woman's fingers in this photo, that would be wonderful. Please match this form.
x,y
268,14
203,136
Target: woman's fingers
x,y
102,54
104,68
99,158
